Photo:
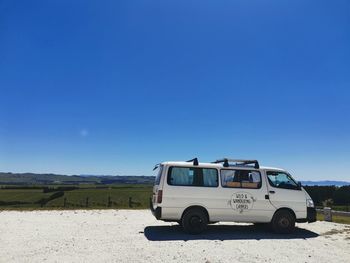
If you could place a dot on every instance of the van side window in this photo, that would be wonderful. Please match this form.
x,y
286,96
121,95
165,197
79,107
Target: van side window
x,y
281,180
190,176
240,178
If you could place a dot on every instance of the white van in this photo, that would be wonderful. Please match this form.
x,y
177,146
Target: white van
x,y
196,194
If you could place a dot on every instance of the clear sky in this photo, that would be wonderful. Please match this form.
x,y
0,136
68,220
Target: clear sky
x,y
113,87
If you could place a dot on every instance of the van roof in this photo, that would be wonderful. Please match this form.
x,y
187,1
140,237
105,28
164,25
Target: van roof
x,y
215,165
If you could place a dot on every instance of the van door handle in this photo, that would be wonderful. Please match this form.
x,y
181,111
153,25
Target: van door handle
x,y
271,192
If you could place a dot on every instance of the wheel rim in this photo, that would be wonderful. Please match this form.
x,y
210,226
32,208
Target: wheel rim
x,y
284,222
196,222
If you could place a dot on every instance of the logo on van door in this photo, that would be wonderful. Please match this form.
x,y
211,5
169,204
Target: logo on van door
x,y
242,201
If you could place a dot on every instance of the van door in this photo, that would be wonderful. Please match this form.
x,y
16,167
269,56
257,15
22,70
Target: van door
x,y
285,192
245,195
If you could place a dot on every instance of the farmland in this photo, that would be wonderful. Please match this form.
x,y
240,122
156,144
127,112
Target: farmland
x,y
75,196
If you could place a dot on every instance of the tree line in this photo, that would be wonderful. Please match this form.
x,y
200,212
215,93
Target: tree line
x,y
329,195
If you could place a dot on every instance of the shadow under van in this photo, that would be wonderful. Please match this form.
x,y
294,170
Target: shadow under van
x,y
223,232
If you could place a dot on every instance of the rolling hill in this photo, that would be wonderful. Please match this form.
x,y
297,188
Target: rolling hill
x,y
44,179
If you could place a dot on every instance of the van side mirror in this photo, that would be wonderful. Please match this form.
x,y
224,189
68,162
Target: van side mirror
x,y
299,185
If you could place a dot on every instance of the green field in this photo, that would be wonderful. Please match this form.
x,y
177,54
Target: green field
x,y
86,196
335,218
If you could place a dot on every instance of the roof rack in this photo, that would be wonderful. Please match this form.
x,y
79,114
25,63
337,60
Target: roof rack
x,y
194,160
226,162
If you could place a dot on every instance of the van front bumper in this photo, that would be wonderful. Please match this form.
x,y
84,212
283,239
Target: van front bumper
x,y
156,212
310,216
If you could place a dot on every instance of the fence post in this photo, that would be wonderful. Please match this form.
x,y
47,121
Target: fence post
x,y
87,202
130,202
65,202
327,211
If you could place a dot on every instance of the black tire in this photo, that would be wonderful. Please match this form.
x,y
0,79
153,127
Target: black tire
x,y
283,222
194,221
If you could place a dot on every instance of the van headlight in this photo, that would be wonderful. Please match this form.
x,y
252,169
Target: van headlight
x,y
309,203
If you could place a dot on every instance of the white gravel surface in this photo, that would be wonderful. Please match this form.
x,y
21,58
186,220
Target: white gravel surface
x,y
136,236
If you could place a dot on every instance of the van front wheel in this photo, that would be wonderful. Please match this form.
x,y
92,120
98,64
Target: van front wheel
x,y
283,222
194,221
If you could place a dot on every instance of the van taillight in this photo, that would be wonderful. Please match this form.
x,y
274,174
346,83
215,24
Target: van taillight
x,y
159,196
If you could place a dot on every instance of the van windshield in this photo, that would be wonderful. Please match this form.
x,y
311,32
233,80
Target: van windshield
x,y
159,175
281,180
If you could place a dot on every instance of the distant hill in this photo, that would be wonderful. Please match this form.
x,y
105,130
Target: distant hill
x,y
325,183
33,178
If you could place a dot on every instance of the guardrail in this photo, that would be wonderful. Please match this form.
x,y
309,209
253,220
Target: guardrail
x,y
328,213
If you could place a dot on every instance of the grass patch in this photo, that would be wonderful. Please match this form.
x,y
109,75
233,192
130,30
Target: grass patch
x,y
335,218
84,197
24,195
99,198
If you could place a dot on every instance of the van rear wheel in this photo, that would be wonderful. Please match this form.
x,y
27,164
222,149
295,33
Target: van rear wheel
x,y
283,222
194,221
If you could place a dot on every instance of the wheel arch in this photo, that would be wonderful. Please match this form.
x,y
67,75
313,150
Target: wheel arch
x,y
285,209
196,207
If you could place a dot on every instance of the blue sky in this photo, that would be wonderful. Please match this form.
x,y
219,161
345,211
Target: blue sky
x,y
113,87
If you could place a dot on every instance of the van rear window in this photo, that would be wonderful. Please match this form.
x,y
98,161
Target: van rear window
x,y
159,175
193,176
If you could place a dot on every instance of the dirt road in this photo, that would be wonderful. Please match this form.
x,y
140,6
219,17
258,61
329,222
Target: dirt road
x,y
135,236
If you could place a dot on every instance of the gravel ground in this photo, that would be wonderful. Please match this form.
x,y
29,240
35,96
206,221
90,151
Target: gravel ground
x,y
135,236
